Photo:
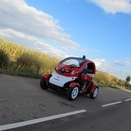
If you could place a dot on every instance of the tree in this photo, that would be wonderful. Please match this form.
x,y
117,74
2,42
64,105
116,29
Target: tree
x,y
128,78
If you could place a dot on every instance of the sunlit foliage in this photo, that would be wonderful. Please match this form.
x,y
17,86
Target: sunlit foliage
x,y
26,62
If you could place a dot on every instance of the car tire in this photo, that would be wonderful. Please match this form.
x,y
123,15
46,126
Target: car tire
x,y
95,92
72,93
43,83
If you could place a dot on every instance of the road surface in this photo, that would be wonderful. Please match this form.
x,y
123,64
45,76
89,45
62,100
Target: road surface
x,y
24,106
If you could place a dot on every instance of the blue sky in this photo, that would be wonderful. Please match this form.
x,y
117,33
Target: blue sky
x,y
99,29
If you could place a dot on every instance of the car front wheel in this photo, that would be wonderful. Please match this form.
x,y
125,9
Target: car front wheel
x,y
72,93
43,83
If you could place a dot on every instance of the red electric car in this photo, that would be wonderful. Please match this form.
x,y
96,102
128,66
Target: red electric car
x,y
74,75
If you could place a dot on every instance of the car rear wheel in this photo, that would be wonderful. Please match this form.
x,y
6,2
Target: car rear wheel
x,y
72,93
94,93
43,83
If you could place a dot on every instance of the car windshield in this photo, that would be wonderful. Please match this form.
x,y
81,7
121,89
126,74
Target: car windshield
x,y
74,62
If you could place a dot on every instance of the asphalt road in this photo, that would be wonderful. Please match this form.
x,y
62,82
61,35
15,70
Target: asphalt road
x,y
22,100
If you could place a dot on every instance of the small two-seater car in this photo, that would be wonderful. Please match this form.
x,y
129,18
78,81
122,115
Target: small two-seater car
x,y
74,75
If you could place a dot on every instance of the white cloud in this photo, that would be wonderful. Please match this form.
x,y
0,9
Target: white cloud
x,y
123,63
98,51
20,17
102,65
114,6
36,44
109,68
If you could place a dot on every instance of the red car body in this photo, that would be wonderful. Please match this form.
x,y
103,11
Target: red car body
x,y
74,75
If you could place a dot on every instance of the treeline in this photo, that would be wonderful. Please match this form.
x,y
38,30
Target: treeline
x,y
18,60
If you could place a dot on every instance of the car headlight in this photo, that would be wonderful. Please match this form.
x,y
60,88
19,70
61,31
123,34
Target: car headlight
x,y
57,68
73,72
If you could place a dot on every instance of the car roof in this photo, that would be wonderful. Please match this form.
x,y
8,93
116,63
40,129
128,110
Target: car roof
x,y
80,58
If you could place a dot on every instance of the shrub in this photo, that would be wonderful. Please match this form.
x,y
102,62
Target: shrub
x,y
4,59
28,63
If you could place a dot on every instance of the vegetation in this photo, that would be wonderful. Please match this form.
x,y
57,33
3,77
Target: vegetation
x,y
128,78
4,59
107,80
18,60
